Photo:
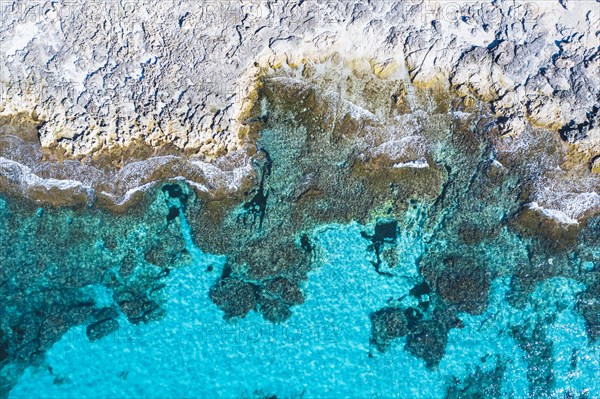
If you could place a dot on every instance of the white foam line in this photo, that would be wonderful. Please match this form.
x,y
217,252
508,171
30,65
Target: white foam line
x,y
140,167
127,196
199,186
397,148
554,214
418,164
582,203
461,115
26,178
497,164
233,179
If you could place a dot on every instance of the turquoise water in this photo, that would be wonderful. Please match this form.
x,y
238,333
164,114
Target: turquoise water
x,y
323,350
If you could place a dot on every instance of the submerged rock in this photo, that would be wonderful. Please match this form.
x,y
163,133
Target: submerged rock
x,y
284,289
480,384
462,280
464,283
588,304
235,297
538,349
274,310
427,340
101,329
388,324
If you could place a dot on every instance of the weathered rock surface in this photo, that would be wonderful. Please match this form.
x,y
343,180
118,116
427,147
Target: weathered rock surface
x,y
178,77
104,73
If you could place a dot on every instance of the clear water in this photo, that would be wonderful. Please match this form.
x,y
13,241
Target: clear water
x,y
322,351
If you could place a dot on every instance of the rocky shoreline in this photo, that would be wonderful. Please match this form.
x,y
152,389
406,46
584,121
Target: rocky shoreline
x,y
111,84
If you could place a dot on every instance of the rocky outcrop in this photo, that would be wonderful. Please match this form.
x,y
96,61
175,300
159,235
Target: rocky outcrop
x,y
104,77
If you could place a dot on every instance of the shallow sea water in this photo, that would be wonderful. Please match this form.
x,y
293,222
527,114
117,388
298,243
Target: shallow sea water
x,y
323,350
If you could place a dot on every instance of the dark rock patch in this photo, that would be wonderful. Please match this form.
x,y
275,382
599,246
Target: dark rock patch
x,y
388,324
385,232
284,289
588,304
234,297
459,277
175,191
427,341
173,213
420,290
464,283
100,329
413,316
480,384
274,310
256,208
137,307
